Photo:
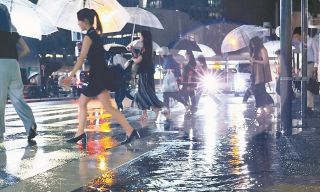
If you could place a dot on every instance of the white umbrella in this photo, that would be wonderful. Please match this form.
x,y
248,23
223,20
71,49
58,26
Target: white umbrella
x,y
142,17
206,51
28,20
138,44
64,13
33,74
239,37
272,47
108,46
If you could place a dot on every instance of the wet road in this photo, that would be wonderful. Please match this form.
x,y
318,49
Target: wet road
x,y
223,147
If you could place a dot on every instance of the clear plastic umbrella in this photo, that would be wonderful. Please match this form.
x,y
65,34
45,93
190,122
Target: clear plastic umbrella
x,y
28,20
64,13
272,47
143,17
206,51
239,37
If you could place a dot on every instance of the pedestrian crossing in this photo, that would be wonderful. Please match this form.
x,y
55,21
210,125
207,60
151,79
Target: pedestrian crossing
x,y
58,115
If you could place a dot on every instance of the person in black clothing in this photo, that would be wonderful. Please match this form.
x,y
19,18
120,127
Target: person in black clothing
x,y
100,77
190,79
146,97
124,88
12,47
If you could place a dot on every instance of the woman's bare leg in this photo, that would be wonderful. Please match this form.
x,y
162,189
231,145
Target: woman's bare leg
x,y
104,98
156,111
83,102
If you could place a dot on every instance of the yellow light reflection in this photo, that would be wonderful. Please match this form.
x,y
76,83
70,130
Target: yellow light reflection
x,y
105,127
102,162
232,41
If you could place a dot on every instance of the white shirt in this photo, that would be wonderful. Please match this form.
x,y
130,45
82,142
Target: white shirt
x,y
312,50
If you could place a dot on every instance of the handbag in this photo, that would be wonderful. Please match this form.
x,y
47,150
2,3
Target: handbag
x,y
170,83
313,85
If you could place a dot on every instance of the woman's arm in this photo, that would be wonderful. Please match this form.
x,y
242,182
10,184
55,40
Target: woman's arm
x,y
83,55
23,48
264,56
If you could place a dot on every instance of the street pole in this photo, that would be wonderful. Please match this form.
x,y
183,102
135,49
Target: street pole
x,y
304,35
286,66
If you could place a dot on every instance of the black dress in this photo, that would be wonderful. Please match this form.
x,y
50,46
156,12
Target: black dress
x,y
100,78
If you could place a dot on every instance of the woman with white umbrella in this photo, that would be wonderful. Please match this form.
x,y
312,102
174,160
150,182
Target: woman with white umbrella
x,y
261,72
10,78
100,80
146,97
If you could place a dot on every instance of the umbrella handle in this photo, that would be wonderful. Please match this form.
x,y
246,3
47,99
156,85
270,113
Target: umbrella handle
x,y
133,29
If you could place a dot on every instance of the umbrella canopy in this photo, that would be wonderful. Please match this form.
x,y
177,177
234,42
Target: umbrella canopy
x,y
116,48
185,44
33,74
272,47
239,37
138,44
64,13
143,17
206,51
28,20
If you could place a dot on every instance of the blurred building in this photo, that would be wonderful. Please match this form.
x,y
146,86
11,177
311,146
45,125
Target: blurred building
x,y
201,10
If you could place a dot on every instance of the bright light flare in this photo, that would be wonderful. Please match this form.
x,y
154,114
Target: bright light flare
x,y
210,83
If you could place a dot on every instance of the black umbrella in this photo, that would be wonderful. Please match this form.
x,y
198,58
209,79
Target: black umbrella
x,y
184,44
117,50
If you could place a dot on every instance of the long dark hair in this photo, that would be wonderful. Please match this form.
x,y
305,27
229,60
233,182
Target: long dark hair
x,y
90,14
255,46
192,60
5,19
147,44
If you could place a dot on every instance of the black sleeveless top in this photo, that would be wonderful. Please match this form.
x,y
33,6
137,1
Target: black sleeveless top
x,y
146,65
98,76
8,45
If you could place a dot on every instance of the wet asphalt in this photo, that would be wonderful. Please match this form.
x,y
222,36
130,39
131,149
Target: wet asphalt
x,y
224,146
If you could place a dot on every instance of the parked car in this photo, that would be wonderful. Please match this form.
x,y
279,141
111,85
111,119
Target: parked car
x,y
241,78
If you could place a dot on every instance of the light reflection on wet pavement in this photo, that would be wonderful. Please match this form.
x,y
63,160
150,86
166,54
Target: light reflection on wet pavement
x,y
224,147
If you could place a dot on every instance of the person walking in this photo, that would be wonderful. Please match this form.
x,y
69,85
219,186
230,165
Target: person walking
x,y
10,76
171,66
312,58
100,79
146,97
261,72
190,79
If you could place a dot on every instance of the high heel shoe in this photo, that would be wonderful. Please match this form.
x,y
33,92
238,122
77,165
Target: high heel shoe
x,y
82,137
33,132
134,134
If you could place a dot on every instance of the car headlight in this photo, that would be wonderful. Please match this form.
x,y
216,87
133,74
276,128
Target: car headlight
x,y
209,83
240,84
